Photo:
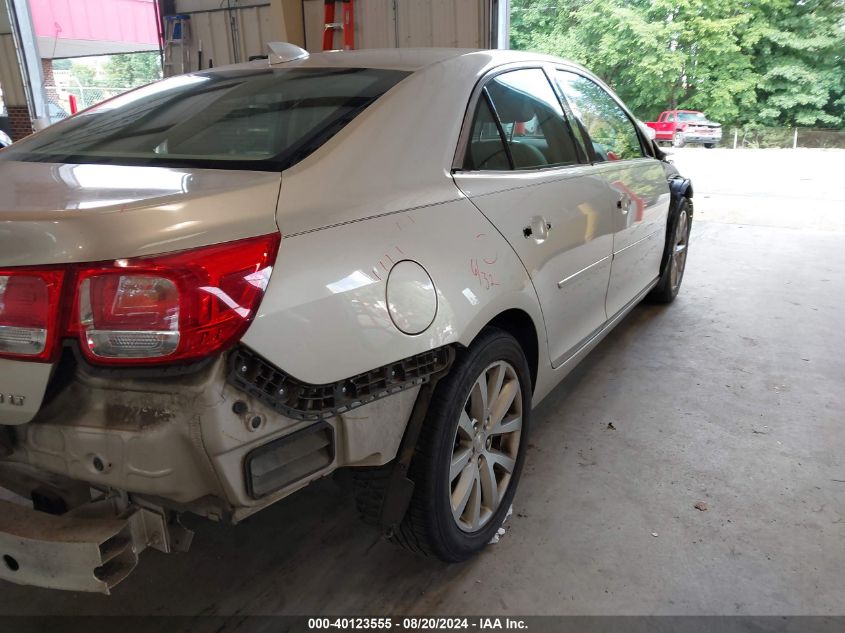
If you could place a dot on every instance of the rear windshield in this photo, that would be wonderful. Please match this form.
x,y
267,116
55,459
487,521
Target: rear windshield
x,y
691,116
261,118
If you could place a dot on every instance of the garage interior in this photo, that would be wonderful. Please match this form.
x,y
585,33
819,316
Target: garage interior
x,y
732,397
691,465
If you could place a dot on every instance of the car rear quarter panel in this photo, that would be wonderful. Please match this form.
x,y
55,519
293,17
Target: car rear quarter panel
x,y
379,192
325,316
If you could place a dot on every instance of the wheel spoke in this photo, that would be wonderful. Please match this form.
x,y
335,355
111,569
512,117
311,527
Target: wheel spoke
x,y
489,485
503,403
680,260
495,379
460,459
463,491
475,503
505,461
478,398
465,429
510,425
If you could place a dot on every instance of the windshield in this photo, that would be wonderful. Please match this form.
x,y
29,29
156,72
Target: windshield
x,y
259,118
691,116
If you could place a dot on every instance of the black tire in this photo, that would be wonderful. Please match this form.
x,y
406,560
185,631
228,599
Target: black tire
x,y
429,527
710,145
665,291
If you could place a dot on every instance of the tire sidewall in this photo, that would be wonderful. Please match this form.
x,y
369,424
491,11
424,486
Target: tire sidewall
x,y
454,543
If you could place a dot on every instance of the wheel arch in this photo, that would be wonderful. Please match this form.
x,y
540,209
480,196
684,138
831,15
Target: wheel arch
x,y
681,187
520,325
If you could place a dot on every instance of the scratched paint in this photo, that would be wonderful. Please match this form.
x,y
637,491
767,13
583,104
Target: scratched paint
x,y
486,278
481,266
387,261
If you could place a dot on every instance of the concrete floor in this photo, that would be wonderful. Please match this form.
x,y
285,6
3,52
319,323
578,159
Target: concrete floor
x,y
733,396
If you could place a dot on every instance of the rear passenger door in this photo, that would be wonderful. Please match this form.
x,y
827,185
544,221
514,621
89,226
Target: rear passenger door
x,y
637,184
522,167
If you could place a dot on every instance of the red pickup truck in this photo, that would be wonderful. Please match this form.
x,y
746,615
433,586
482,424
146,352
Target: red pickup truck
x,y
681,127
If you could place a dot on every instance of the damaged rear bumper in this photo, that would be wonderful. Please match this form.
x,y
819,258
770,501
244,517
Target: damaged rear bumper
x,y
91,551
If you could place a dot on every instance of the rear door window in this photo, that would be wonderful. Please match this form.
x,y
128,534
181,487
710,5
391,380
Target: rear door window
x,y
487,150
519,124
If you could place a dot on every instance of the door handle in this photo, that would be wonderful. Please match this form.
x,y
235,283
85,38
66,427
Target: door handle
x,y
538,229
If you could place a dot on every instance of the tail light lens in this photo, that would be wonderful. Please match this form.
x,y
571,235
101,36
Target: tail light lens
x,y
176,307
129,316
29,312
151,310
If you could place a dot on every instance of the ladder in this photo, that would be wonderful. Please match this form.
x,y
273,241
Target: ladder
x,y
346,26
177,42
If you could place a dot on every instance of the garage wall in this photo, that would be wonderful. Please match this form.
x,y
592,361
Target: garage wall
x,y
18,124
378,24
212,24
407,23
10,72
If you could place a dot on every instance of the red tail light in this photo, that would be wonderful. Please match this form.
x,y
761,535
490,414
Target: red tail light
x,y
128,316
150,310
29,300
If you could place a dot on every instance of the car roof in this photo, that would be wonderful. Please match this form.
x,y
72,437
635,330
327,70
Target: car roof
x,y
406,59
410,59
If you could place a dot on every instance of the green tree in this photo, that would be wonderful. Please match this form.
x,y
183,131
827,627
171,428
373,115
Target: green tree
x,y
132,69
83,73
772,61
799,56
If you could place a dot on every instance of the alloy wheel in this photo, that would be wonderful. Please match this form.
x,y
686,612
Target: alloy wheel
x,y
485,446
679,250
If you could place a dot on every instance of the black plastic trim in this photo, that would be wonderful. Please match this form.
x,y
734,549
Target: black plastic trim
x,y
300,400
272,446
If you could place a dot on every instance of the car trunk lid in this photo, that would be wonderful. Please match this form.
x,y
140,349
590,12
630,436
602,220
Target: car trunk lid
x,y
53,214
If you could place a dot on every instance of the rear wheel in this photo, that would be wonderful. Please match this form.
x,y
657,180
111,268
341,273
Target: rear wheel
x,y
710,145
470,454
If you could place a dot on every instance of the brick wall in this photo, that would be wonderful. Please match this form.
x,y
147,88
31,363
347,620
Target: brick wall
x,y
19,121
49,80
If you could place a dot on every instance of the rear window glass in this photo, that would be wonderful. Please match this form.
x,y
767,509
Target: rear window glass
x,y
262,118
691,116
